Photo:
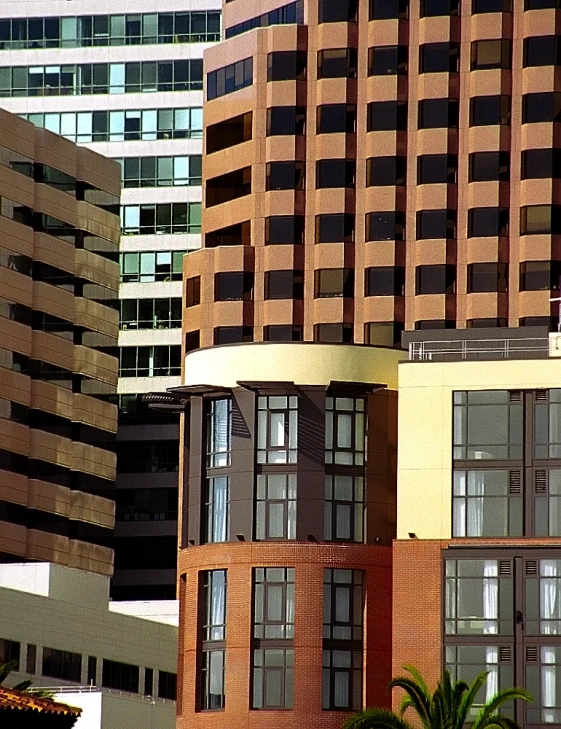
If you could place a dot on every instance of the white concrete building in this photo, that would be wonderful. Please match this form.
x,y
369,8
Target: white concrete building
x,y
61,628
124,77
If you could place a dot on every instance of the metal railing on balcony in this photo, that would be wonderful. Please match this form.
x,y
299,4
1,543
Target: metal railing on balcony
x,y
478,349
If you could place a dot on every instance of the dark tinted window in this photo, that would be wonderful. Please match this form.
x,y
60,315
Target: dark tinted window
x,y
284,229
385,226
285,175
336,118
540,4
284,284
387,115
486,222
435,324
437,168
286,120
229,133
383,333
387,60
335,228
438,7
490,6
437,113
232,335
120,676
436,224
385,281
334,282
541,107
282,333
335,173
384,9
286,66
487,277
541,163
437,279
438,57
487,110
385,171
229,186
489,54
192,341
540,219
488,166
233,286
337,11
192,291
485,323
337,63
543,50
334,333
539,275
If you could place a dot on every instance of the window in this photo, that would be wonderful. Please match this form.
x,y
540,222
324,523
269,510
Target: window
x,y
282,333
238,234
152,504
491,6
214,588
233,286
219,433
217,510
284,229
489,110
273,606
539,275
193,291
120,676
273,673
487,277
229,133
383,333
541,107
543,50
286,120
232,335
488,323
488,54
214,584
156,219
439,58
541,163
438,113
150,313
277,429
540,4
489,166
167,685
387,116
345,423
487,222
284,284
337,63
438,7
157,361
293,13
385,171
385,281
10,652
387,60
330,282
230,78
286,66
335,173
31,658
333,333
385,226
437,279
384,9
436,224
337,11
150,266
336,118
335,228
213,680
229,186
437,168
161,171
487,503
275,506
92,671
192,341
540,219
344,508
285,176
157,456
343,605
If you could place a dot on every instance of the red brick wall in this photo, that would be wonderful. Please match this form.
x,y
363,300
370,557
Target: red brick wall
x,y
309,561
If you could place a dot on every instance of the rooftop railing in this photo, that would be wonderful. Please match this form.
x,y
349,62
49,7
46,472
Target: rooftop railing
x,y
474,349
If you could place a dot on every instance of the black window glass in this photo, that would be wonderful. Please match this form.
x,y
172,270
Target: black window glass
x,y
438,57
334,282
337,63
286,66
283,120
232,335
387,116
284,229
438,7
388,9
541,163
489,54
489,166
540,219
228,133
333,333
541,4
437,168
488,110
539,275
437,279
284,284
385,225
438,113
337,11
285,175
387,60
336,118
436,224
488,323
335,228
233,286
223,188
491,6
282,333
485,222
543,50
541,107
385,171
385,281
335,173
487,277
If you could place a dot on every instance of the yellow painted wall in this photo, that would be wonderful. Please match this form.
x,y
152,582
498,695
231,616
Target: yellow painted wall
x,y
424,490
303,364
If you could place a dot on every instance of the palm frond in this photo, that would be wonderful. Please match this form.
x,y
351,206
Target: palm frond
x,y
376,719
470,697
491,708
418,700
6,669
23,685
501,722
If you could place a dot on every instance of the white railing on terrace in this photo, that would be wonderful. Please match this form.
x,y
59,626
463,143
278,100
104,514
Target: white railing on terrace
x,y
452,349
102,689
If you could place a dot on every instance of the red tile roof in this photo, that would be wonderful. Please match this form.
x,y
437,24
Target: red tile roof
x,y
11,699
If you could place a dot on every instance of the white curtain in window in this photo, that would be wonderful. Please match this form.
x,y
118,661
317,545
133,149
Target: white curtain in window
x,y
221,426
490,597
219,506
218,603
492,666
476,495
550,603
548,687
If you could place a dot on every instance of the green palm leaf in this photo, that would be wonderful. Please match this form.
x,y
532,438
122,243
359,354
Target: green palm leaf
x,y
376,719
